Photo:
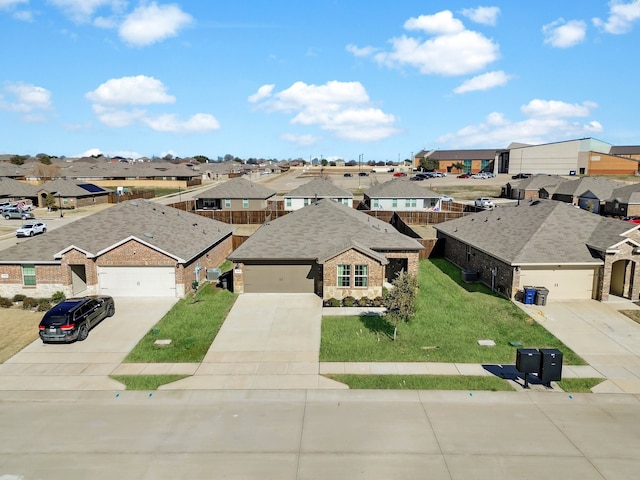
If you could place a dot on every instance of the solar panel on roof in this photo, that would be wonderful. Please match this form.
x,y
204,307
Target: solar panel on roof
x,y
91,188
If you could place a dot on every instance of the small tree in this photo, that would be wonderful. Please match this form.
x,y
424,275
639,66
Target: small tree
x,y
400,300
458,166
429,164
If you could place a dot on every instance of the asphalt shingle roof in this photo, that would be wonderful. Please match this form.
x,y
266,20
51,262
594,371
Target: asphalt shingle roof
x,y
400,188
319,187
543,231
600,187
15,188
71,188
319,229
238,187
183,235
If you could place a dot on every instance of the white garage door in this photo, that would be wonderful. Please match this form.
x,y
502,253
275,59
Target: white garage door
x,y
563,284
137,281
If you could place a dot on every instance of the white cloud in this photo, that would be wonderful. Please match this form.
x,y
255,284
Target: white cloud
x,y
483,15
263,92
138,90
451,49
485,81
548,121
81,11
152,23
441,23
198,123
8,4
360,51
555,108
91,152
621,17
563,34
112,102
343,108
29,101
299,139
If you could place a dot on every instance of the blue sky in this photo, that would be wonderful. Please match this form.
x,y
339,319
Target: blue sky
x,y
338,79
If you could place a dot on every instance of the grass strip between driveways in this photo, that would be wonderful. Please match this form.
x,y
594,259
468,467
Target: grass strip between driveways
x,y
191,325
146,382
422,382
579,385
451,316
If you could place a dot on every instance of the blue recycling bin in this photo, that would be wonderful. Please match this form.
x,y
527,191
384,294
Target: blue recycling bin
x,y
529,295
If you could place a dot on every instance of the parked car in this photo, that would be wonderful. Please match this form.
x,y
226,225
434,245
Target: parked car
x,y
347,175
520,175
363,174
464,175
10,213
73,318
632,219
399,174
479,175
417,178
446,198
31,229
483,202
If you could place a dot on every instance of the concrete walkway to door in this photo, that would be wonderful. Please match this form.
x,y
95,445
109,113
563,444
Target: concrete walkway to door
x,y
268,341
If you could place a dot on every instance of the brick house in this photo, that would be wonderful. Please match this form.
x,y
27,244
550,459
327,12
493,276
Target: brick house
x,y
571,252
134,248
235,194
72,193
325,248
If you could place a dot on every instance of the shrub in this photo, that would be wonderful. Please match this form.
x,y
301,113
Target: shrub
x,y
333,302
28,303
43,305
377,302
364,302
18,297
58,297
5,302
348,301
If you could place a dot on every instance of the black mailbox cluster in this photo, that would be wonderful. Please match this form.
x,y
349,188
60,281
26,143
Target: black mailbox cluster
x,y
545,362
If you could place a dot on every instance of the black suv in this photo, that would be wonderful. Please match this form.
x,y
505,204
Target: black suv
x,y
72,319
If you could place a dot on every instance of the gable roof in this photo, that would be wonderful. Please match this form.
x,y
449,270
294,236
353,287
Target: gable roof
x,y
600,187
539,232
318,231
320,188
181,235
626,194
72,188
15,188
238,187
536,182
400,188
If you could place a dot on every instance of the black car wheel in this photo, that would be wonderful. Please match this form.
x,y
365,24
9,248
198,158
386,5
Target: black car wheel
x,y
83,332
111,312
31,233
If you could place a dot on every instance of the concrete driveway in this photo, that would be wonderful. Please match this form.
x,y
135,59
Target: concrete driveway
x,y
267,341
606,339
85,365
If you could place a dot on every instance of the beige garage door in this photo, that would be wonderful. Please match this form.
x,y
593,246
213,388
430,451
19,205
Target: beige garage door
x,y
137,281
562,283
278,278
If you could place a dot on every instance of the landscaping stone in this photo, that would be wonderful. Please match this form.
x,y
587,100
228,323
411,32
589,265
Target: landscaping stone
x,y
487,343
163,342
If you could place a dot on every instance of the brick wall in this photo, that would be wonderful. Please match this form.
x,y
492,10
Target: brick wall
x,y
352,257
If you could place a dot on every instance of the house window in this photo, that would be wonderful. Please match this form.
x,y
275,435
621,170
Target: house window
x,y
288,202
245,203
307,201
394,203
376,203
411,202
29,275
344,275
227,203
361,276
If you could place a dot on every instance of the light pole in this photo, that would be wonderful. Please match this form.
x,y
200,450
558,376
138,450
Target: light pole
x,y
60,204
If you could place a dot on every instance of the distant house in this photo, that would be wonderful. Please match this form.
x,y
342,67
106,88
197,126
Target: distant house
x,y
325,248
72,193
316,189
589,193
529,188
235,194
134,248
624,201
400,195
12,190
572,253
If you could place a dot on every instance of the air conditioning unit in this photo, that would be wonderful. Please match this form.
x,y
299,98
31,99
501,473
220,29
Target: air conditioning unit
x,y
213,274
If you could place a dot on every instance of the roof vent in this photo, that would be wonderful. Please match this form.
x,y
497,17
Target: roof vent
x,y
148,234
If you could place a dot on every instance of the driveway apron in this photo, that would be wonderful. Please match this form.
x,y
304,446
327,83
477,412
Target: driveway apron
x,y
85,365
268,341
605,338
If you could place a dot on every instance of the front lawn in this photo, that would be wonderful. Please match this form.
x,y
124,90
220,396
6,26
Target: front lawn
x,y
451,316
191,325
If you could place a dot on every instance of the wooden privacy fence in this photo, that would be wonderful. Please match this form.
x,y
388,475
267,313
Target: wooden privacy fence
x,y
113,196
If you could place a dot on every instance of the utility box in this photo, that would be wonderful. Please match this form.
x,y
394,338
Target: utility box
x,y
528,360
213,274
469,276
550,366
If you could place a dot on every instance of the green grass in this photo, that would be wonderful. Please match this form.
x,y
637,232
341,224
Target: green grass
x,y
191,324
146,382
451,316
579,385
421,382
